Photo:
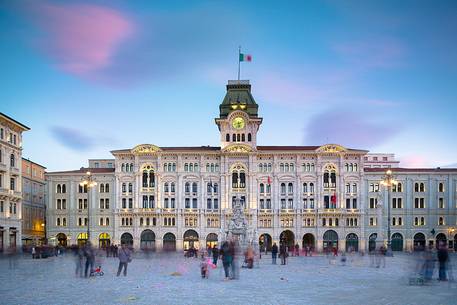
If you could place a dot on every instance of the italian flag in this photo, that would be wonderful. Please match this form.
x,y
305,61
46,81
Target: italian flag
x,y
245,57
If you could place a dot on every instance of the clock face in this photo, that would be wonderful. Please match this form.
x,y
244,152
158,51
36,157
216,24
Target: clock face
x,y
238,123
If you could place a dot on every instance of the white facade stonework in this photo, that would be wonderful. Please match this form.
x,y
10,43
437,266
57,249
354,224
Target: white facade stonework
x,y
10,182
176,197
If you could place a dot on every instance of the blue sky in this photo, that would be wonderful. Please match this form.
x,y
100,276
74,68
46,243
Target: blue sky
x,y
92,76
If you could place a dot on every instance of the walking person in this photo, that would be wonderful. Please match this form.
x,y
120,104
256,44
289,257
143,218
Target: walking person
x,y
124,255
297,250
79,259
215,254
283,253
226,259
274,253
89,253
443,257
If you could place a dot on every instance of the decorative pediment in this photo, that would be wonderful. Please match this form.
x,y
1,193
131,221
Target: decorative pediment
x,y
145,149
238,148
331,148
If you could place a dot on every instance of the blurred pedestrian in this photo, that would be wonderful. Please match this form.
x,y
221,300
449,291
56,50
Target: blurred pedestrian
x,y
283,254
89,253
443,257
124,255
226,258
274,253
215,253
249,257
33,252
297,250
79,259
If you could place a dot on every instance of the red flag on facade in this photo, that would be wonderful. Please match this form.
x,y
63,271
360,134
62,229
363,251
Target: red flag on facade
x,y
269,180
333,198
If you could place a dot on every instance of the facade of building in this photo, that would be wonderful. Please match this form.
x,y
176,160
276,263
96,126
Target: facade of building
x,y
33,203
10,181
372,160
179,197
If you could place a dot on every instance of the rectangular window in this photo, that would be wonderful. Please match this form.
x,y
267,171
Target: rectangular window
x,y
208,203
124,203
283,204
130,203
187,203
354,203
290,204
372,221
216,204
194,203
12,184
172,203
373,203
165,203
348,203
441,203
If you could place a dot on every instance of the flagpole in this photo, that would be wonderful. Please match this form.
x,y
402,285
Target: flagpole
x,y
239,61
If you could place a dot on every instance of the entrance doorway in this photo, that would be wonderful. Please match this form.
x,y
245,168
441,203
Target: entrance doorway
x,y
265,242
211,240
61,239
104,240
352,242
190,240
169,242
419,242
288,238
372,242
127,239
397,242
147,240
330,240
308,241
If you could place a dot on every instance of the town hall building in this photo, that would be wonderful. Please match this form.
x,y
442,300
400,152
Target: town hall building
x,y
175,198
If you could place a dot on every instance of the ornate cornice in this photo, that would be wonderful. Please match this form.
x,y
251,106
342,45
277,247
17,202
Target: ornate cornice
x,y
145,149
238,148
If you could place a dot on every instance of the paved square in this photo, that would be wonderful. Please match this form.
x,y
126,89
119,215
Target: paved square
x,y
310,280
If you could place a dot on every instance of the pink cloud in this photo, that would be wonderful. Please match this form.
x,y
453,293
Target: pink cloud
x,y
81,38
414,161
380,53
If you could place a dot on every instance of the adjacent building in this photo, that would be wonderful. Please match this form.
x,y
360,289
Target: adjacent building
x,y
33,203
10,181
179,197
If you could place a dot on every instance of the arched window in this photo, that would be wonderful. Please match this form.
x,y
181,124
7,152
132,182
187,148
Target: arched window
x,y
172,187
243,138
12,160
262,188
399,187
311,187
194,187
422,187
186,167
107,188
238,138
208,188
441,187
441,221
215,188
249,137
354,188
227,138
131,167
187,187
145,178
130,188
191,167
283,188
64,188
234,138
59,189
260,167
305,187
165,187
329,176
290,188
124,188
102,188
196,167
416,187
64,222
122,167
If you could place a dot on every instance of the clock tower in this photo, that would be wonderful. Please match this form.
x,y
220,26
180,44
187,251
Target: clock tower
x,y
238,119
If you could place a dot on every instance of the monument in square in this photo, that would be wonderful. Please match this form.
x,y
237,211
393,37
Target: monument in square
x,y
238,228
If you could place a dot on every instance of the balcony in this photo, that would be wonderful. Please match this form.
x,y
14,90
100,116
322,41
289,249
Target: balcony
x,y
147,189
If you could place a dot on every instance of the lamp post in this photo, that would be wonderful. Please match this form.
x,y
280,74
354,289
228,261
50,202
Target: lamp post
x,y
88,182
388,180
